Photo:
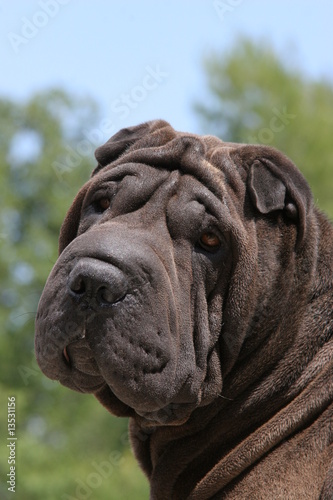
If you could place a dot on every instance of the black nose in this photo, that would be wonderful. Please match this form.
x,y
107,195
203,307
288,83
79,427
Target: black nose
x,y
94,283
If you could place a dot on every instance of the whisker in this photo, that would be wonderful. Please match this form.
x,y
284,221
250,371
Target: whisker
x,y
224,397
23,314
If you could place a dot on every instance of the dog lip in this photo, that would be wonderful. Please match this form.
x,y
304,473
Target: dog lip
x,y
65,355
65,351
170,415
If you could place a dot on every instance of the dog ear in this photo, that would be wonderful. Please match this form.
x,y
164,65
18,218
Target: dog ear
x,y
268,193
275,184
123,140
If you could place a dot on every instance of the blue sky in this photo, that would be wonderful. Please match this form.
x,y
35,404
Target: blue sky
x,y
143,60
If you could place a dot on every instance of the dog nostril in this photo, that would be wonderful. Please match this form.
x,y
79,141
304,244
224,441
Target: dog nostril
x,y
78,286
106,296
94,284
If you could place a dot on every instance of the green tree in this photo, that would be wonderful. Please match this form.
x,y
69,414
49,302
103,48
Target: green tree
x,y
46,154
255,96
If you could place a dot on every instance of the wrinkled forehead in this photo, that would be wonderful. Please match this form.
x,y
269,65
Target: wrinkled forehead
x,y
205,158
216,166
142,181
183,198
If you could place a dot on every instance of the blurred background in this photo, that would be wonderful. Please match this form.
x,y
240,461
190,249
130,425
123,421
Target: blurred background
x,y
74,73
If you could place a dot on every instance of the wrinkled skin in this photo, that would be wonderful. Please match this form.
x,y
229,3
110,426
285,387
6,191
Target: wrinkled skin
x,y
146,344
193,293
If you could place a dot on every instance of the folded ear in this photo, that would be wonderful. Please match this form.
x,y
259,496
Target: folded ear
x,y
123,140
268,192
275,184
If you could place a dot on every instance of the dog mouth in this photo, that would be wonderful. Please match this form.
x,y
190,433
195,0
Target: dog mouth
x,y
172,415
78,368
128,352
66,356
78,355
79,361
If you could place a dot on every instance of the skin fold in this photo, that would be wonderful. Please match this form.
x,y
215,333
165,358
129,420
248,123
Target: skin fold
x,y
193,294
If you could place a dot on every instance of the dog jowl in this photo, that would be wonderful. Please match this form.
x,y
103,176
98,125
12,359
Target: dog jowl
x,y
193,293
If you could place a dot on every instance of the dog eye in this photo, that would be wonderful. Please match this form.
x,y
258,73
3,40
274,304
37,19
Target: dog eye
x,y
102,204
210,242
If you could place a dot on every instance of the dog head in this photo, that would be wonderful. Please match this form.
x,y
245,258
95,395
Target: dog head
x,y
168,255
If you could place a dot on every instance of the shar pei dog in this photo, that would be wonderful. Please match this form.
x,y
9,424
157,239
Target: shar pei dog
x,y
193,293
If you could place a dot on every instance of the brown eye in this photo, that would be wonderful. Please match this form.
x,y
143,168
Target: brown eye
x,y
103,204
210,242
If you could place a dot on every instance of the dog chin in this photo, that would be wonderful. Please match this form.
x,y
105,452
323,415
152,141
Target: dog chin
x,y
171,415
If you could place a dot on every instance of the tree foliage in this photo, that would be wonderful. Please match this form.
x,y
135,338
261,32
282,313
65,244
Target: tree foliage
x,y
256,96
68,445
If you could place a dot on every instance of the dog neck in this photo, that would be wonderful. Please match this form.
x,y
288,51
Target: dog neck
x,y
211,451
285,397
